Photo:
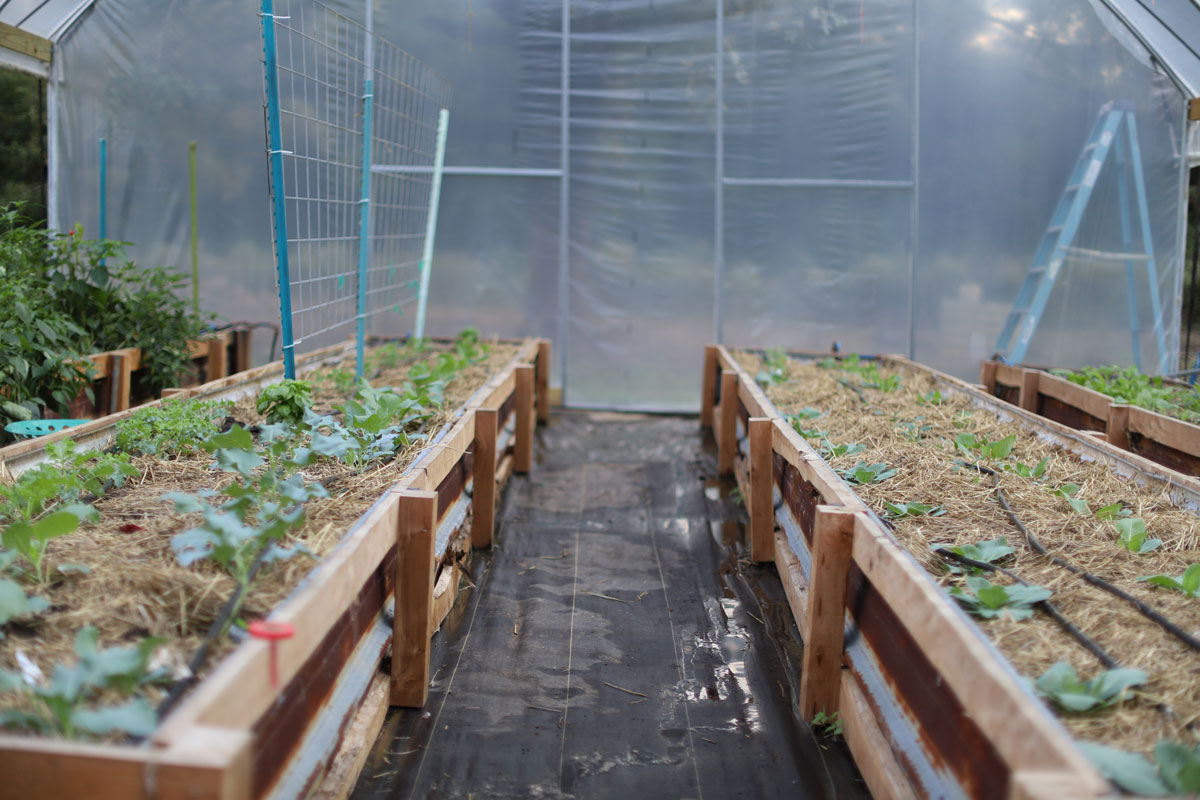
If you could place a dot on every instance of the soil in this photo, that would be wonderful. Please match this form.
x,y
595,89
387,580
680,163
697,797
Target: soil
x,y
135,587
915,436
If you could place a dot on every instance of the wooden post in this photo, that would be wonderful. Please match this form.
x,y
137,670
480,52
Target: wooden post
x,y
708,386
1028,398
483,503
523,453
833,542
1117,427
761,500
217,364
120,376
543,381
415,561
727,431
243,340
987,376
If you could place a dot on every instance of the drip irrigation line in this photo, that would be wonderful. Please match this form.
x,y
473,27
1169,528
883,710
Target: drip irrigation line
x,y
1145,610
861,397
1045,605
215,631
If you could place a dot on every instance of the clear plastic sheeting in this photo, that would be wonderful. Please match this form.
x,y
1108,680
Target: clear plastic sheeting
x,y
776,173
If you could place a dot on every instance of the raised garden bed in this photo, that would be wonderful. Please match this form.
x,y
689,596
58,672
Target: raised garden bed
x,y
402,530
1164,439
931,702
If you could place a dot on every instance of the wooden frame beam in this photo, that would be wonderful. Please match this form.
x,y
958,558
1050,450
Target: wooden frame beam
x,y
26,43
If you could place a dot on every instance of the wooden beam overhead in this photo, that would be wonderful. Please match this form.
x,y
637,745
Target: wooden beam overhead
x,y
13,38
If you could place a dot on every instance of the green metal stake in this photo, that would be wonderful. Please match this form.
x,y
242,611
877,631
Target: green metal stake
x,y
195,232
435,194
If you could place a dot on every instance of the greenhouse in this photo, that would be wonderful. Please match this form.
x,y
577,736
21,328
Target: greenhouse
x,y
512,398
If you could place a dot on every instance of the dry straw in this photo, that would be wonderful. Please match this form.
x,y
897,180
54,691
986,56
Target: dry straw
x,y
135,587
893,427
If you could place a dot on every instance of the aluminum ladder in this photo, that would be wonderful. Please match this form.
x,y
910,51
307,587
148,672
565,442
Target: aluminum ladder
x,y
1104,141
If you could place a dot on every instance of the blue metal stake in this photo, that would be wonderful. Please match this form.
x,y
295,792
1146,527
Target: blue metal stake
x,y
1139,183
364,203
435,194
275,152
103,232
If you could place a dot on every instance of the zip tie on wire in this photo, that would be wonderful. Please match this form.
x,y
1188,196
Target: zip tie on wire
x,y
1145,610
281,152
272,16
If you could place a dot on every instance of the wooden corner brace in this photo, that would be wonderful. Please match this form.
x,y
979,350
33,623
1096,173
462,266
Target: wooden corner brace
x,y
708,386
727,425
416,534
523,453
483,503
820,677
542,366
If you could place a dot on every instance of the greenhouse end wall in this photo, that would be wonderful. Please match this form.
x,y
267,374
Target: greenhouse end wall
x,y
632,178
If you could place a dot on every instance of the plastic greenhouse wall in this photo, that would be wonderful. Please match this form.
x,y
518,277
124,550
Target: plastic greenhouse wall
x,y
875,172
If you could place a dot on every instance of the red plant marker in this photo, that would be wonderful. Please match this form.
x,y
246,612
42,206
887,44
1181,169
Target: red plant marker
x,y
272,632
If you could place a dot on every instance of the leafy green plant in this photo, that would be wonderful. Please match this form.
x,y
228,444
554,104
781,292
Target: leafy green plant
x,y
830,724
1176,770
1069,492
867,370
987,552
999,450
913,431
15,603
830,450
1188,583
1026,471
1112,511
988,600
173,428
1133,536
930,398
66,475
1127,385
864,473
62,701
912,509
1061,685
29,539
285,401
265,502
774,369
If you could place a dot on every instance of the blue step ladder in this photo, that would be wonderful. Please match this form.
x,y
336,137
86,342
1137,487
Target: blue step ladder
x,y
1056,246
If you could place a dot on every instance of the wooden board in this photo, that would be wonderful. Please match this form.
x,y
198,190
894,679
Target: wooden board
x,y
872,753
820,677
416,559
25,43
759,498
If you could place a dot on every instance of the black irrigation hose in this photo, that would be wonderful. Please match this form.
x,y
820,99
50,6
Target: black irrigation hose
x,y
1145,610
1045,605
215,631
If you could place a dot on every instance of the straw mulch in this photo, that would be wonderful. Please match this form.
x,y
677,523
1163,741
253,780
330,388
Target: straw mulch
x,y
893,426
135,587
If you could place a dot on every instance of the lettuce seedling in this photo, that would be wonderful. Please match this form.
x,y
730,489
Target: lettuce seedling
x,y
1061,685
912,509
1133,536
988,600
1068,492
1026,471
1188,583
831,451
863,473
987,552
1176,770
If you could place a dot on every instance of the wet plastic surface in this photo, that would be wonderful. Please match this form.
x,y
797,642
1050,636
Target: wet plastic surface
x,y
615,646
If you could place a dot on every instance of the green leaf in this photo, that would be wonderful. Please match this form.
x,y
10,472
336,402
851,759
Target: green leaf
x,y
184,503
1129,771
1000,449
236,438
1179,765
15,603
1191,579
993,596
136,718
1110,512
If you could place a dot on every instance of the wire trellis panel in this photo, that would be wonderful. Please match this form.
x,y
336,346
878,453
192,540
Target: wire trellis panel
x,y
328,78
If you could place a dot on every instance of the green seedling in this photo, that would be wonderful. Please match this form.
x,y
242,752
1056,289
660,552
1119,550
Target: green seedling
x,y
913,509
64,477
862,473
1188,583
1026,471
30,539
913,431
1133,536
173,428
774,369
988,600
15,603
987,552
1061,685
1069,492
1128,386
797,422
930,398
831,451
1176,770
1112,512
998,450
285,401
62,700
830,724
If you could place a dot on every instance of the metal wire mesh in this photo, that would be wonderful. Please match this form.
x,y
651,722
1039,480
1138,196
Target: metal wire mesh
x,y
322,67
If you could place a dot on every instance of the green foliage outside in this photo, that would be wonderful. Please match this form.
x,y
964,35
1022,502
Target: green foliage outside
x,y
71,296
